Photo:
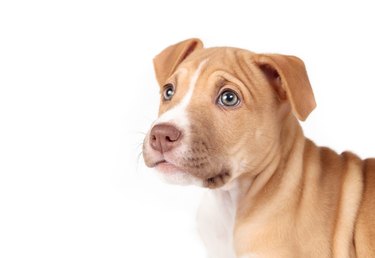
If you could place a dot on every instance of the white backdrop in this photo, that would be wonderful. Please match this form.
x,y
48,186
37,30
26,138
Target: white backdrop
x,y
77,94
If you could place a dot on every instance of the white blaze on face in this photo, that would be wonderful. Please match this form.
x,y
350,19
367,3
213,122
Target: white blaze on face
x,y
177,115
179,118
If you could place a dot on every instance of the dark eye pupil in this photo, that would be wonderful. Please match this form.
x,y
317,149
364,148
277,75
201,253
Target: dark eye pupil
x,y
168,92
229,98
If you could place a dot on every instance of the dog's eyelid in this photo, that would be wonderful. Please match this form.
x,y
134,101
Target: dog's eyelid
x,y
163,88
168,85
171,80
228,86
223,83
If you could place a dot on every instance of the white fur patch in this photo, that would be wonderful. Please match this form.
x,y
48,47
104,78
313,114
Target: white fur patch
x,y
216,217
180,178
177,115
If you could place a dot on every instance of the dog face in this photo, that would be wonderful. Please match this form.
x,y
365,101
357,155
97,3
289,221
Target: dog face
x,y
221,112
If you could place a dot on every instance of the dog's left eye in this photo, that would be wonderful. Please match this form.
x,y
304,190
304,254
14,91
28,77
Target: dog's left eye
x,y
168,91
228,98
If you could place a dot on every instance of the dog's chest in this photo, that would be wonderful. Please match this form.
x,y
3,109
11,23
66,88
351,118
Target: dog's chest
x,y
216,217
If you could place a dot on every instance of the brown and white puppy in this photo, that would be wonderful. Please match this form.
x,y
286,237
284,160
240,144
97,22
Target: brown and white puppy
x,y
228,121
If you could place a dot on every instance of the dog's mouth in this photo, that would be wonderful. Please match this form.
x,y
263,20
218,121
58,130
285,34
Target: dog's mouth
x,y
169,168
165,166
217,180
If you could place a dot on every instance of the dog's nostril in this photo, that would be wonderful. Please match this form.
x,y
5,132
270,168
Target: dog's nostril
x,y
172,138
164,137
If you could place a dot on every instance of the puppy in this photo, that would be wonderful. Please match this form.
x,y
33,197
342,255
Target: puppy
x,y
228,121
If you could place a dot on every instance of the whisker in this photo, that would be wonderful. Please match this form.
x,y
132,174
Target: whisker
x,y
138,132
139,157
139,145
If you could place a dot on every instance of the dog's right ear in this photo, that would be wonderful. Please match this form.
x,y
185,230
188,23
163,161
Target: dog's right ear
x,y
167,61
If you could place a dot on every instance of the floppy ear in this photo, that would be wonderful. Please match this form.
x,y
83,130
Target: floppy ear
x,y
167,61
287,74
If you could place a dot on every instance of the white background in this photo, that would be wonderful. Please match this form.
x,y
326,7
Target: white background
x,y
77,94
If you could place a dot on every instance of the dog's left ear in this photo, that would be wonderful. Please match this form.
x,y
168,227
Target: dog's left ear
x,y
287,74
167,61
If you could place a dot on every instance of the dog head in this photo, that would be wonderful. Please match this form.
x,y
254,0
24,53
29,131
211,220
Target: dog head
x,y
221,111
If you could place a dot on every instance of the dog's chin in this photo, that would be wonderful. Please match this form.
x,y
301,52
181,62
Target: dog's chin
x,y
173,174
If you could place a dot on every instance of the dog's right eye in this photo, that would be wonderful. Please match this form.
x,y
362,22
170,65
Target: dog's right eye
x,y
168,91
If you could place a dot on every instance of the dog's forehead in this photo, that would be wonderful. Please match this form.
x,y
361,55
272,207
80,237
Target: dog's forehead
x,y
219,56
232,60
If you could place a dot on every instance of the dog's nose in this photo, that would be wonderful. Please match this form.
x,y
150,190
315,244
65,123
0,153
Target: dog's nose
x,y
164,137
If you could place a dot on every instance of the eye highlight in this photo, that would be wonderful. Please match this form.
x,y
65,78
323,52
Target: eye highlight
x,y
168,92
228,98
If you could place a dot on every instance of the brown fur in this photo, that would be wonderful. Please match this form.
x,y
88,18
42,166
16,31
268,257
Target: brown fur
x,y
303,200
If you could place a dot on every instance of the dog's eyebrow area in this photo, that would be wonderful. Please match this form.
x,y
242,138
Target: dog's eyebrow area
x,y
224,78
220,83
176,77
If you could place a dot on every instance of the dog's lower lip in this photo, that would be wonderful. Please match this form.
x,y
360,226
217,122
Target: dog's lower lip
x,y
159,162
166,167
